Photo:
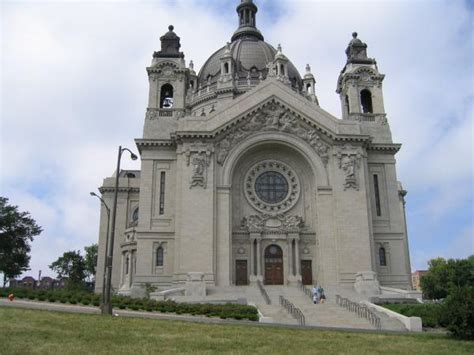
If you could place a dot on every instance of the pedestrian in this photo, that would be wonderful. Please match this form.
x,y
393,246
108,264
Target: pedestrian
x,y
315,294
322,296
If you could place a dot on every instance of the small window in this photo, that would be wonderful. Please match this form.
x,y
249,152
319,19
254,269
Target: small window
x,y
309,89
166,96
127,264
377,196
366,101
162,192
382,257
282,69
226,68
159,256
348,108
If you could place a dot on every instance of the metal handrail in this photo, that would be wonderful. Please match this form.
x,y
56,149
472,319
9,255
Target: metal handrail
x,y
306,290
264,292
361,310
294,311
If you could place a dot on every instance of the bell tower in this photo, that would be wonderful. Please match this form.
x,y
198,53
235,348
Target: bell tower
x,y
170,82
360,85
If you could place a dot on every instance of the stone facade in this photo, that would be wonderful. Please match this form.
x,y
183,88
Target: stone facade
x,y
244,177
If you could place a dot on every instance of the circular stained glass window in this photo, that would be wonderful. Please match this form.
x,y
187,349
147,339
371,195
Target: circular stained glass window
x,y
271,187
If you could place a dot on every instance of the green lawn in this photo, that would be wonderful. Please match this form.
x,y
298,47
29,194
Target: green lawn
x,y
42,332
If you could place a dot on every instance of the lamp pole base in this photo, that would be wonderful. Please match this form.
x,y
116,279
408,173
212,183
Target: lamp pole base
x,y
106,309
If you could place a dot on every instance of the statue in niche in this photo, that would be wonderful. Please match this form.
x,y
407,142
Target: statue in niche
x,y
224,148
348,166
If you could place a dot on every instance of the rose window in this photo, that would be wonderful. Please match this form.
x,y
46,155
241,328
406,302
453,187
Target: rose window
x,y
272,187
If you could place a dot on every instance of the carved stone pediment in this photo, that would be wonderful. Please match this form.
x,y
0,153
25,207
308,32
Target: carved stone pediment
x,y
267,222
271,118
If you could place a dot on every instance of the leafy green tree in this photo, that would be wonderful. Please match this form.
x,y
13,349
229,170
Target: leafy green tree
x,y
17,230
445,276
91,260
71,266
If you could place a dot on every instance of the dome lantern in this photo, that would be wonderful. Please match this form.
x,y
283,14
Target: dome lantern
x,y
247,11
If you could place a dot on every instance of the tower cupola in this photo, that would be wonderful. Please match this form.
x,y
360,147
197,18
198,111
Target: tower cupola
x,y
170,45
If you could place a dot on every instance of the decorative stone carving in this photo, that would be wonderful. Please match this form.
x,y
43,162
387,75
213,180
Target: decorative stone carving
x,y
266,222
349,159
151,114
272,117
198,155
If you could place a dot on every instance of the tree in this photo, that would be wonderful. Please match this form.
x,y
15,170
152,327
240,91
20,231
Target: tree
x,y
17,230
91,260
445,276
72,266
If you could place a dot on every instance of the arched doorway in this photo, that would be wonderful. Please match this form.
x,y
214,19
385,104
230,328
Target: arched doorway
x,y
273,265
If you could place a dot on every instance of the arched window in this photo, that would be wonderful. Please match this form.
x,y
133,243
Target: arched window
x,y
166,96
382,257
226,68
127,264
159,256
366,101
309,89
282,69
348,108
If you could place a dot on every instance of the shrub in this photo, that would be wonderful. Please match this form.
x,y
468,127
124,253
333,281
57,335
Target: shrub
x,y
458,312
430,314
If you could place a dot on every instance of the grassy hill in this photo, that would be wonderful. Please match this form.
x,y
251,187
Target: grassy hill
x,y
42,332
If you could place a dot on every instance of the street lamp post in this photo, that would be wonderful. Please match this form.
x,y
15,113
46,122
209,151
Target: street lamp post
x,y
102,302
107,307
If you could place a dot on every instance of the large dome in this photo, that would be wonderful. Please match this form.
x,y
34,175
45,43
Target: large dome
x,y
249,50
251,55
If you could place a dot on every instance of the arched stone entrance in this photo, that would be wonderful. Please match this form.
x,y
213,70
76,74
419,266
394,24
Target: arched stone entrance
x,y
273,265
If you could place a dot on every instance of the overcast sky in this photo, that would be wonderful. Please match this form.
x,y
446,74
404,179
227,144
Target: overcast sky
x,y
74,87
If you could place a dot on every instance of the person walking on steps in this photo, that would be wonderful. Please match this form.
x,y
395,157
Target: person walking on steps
x,y
315,294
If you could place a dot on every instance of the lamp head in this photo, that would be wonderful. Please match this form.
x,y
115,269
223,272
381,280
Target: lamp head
x,y
93,194
133,156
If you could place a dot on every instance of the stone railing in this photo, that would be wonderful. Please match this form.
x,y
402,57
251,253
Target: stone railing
x,y
263,292
361,310
369,117
306,290
294,311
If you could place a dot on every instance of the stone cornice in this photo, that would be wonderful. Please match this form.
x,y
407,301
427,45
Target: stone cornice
x,y
105,189
154,143
384,147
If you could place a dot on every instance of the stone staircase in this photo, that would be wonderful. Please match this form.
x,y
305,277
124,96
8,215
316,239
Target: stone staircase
x,y
327,314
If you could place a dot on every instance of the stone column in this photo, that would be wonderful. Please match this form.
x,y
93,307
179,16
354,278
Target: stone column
x,y
252,257
259,260
297,259
254,265
290,258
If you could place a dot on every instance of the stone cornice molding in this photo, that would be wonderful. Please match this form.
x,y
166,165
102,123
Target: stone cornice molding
x,y
384,147
105,189
154,143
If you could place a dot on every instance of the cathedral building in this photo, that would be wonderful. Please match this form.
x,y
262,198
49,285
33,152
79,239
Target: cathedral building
x,y
245,178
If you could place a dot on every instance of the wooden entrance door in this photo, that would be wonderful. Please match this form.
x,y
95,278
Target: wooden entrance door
x,y
241,272
306,272
273,265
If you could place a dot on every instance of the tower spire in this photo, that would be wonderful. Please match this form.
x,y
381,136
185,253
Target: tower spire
x,y
247,12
